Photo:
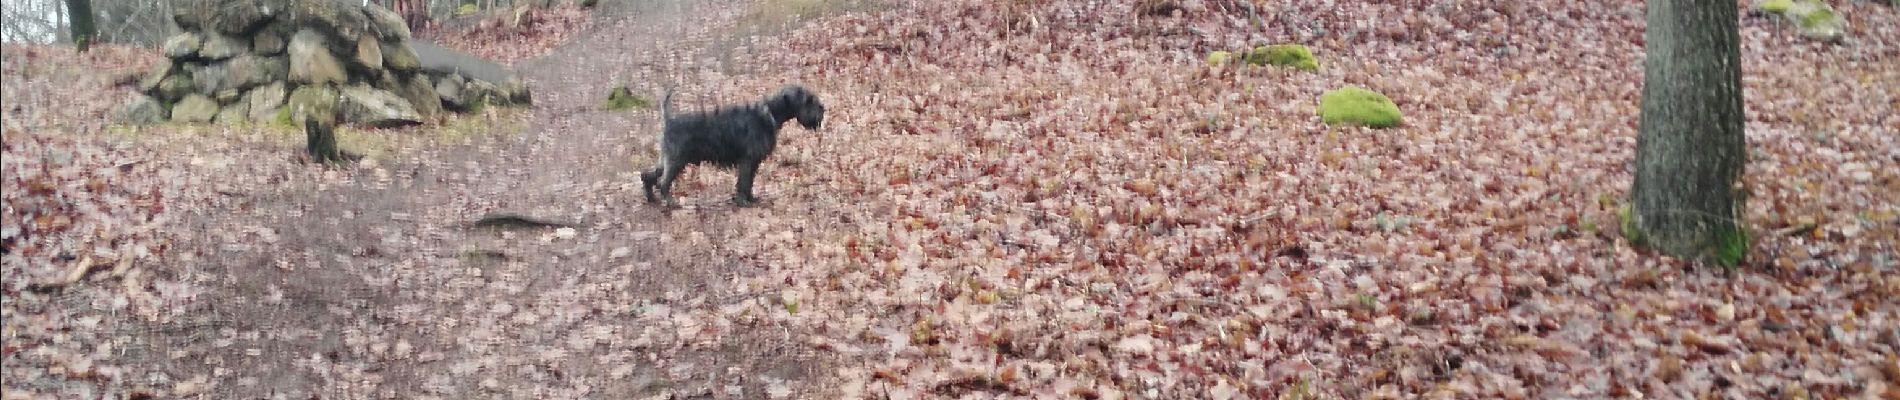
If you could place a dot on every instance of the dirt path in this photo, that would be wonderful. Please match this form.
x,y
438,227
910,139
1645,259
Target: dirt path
x,y
377,288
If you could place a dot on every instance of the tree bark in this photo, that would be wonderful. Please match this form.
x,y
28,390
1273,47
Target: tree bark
x,y
320,139
83,30
1690,148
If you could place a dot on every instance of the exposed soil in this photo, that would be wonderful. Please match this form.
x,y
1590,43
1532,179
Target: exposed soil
x,y
380,287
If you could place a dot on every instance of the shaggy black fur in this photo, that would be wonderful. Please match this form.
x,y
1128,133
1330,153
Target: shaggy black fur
x,y
737,137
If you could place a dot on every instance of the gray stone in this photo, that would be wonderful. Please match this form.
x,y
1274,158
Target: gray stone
x,y
234,114
232,17
444,61
141,109
248,71
228,95
155,76
375,107
265,99
515,91
1817,20
400,57
183,45
219,47
388,81
209,78
176,86
449,88
312,102
369,53
268,43
421,95
386,24
343,20
311,61
195,108
480,92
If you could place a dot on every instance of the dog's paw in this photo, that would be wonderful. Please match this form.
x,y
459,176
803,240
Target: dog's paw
x,y
745,201
670,203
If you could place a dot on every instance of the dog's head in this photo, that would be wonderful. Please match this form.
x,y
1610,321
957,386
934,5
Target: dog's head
x,y
796,102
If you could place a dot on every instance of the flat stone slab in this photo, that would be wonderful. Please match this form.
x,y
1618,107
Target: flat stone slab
x,y
437,59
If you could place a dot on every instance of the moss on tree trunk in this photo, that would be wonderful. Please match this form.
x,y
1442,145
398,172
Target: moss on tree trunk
x,y
1690,149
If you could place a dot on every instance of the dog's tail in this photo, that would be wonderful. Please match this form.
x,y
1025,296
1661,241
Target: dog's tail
x,y
666,105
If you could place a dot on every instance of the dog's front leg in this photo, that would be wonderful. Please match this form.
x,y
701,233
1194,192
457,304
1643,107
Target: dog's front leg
x,y
742,196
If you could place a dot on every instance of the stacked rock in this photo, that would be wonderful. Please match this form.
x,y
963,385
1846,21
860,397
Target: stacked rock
x,y
252,61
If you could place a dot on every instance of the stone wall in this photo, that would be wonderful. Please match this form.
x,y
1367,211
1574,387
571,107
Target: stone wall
x,y
255,61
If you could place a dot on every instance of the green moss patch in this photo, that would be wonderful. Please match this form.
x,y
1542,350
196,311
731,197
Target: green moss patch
x,y
622,98
1219,58
1356,105
1285,55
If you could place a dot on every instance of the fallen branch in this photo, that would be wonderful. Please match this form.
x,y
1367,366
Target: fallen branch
x,y
516,221
75,274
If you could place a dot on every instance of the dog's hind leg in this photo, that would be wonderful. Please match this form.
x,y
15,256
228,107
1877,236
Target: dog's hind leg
x,y
742,195
669,171
648,179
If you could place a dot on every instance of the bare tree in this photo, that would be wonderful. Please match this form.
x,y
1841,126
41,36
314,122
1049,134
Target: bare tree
x,y
83,29
1690,149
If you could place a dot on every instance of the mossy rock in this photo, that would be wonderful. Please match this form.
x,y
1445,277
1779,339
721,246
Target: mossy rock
x,y
1774,6
622,98
1219,58
1356,105
1285,55
1815,19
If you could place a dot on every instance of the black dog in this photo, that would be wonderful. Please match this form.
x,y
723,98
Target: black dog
x,y
734,137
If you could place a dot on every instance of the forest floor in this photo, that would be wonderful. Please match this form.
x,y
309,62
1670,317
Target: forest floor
x,y
1009,199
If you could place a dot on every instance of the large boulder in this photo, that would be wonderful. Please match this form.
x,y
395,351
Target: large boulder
x,y
449,88
317,101
421,95
311,61
369,53
1358,106
264,100
183,45
141,109
236,113
367,105
220,46
174,86
478,93
334,17
209,78
268,43
440,60
1815,19
398,56
195,108
386,24
156,75
232,17
248,71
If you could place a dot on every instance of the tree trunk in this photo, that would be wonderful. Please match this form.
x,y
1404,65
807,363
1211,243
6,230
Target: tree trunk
x,y
1690,149
320,137
83,31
